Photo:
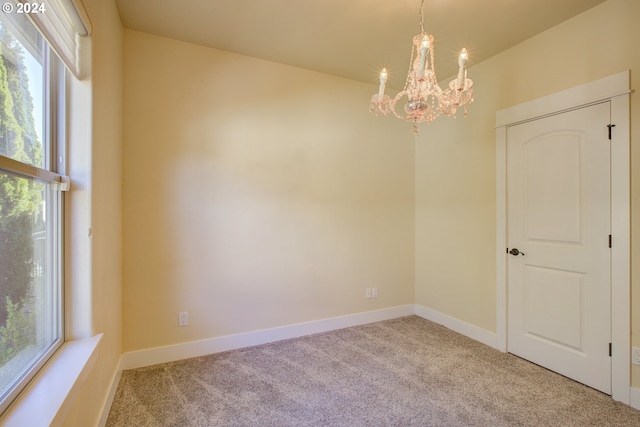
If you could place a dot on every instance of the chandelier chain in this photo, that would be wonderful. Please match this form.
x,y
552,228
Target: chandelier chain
x,y
408,80
421,14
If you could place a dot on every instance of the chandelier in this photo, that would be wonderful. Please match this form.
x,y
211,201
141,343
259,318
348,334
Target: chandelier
x,y
425,99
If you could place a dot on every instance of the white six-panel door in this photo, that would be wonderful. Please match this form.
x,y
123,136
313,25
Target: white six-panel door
x,y
558,219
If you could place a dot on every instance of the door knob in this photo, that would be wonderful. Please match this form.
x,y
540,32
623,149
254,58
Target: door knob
x,y
516,252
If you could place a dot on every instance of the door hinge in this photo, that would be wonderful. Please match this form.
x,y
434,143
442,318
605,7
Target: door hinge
x,y
610,350
609,240
610,126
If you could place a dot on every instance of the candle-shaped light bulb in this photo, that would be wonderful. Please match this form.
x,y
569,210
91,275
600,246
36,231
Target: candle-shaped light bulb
x,y
425,43
383,80
424,47
383,76
462,61
464,56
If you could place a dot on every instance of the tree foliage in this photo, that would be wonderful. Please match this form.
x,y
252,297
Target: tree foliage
x,y
19,330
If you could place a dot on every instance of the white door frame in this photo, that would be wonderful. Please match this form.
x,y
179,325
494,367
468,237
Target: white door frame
x,y
614,88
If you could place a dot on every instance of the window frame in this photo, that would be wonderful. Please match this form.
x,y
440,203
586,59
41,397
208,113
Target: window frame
x,y
54,149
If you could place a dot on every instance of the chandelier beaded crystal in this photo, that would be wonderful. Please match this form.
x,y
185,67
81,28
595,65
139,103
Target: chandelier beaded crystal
x,y
425,99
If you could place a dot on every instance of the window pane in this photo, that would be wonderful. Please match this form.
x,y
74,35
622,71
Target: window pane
x,y
29,296
21,91
31,315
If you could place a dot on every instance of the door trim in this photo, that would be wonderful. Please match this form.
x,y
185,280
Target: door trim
x,y
615,89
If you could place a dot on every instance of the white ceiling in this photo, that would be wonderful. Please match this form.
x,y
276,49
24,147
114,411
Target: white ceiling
x,y
350,38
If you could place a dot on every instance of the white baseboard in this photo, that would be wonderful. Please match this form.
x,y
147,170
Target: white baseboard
x,y
106,408
459,326
634,395
153,356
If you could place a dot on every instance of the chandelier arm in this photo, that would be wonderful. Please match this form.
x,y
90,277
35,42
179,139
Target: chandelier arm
x,y
395,100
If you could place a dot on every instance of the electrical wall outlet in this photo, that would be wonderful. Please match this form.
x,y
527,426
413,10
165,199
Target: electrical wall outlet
x,y
635,356
367,293
183,318
374,292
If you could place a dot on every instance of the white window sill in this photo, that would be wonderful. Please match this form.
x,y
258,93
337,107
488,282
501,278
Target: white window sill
x,y
48,398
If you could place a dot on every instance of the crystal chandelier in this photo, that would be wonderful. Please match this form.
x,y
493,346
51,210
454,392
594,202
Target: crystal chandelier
x,y
425,99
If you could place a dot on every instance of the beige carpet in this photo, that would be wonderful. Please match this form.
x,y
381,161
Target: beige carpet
x,y
401,372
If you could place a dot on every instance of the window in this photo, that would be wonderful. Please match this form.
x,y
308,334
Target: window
x,y
31,203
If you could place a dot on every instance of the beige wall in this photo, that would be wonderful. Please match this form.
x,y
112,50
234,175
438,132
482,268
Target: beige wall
x,y
455,161
97,164
256,195
455,214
